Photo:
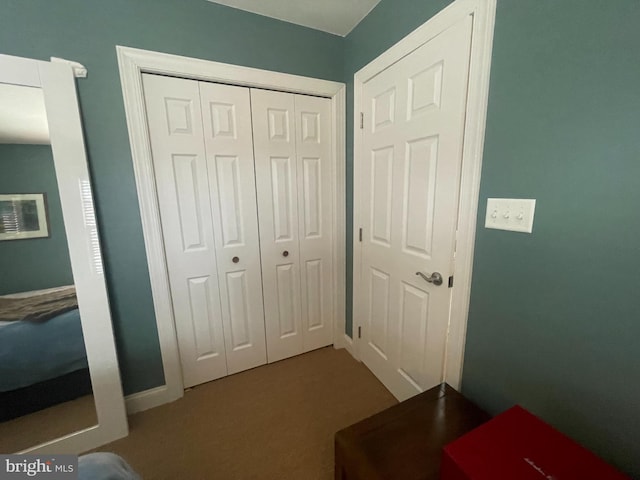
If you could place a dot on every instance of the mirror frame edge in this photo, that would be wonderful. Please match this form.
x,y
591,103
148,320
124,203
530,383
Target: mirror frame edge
x,y
57,81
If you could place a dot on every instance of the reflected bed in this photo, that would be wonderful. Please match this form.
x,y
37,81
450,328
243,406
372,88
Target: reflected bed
x,y
43,360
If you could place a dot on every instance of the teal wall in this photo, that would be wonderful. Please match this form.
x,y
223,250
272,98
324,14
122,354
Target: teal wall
x,y
554,322
87,31
33,263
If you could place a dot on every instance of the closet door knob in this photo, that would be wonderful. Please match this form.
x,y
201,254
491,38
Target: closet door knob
x,y
235,259
285,253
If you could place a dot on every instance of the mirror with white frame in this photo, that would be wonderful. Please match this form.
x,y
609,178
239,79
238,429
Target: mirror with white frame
x,y
60,388
45,387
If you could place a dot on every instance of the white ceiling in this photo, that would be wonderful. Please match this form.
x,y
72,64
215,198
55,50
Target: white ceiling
x,y
23,118
333,16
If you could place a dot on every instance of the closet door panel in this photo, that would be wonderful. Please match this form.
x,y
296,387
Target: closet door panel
x,y
180,169
313,149
274,134
228,141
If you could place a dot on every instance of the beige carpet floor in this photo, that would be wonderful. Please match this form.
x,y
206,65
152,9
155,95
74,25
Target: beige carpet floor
x,y
274,422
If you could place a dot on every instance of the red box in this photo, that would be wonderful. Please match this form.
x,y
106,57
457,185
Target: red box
x,y
517,445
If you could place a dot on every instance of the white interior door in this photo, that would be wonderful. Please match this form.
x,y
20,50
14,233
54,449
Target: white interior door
x,y
226,112
180,166
274,137
412,141
203,162
313,158
292,145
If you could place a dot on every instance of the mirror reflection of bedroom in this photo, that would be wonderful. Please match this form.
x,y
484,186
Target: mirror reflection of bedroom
x,y
45,388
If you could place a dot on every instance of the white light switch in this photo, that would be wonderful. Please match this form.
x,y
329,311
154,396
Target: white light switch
x,y
514,214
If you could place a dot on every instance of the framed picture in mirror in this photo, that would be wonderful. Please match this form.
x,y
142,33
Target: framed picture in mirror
x,y
23,216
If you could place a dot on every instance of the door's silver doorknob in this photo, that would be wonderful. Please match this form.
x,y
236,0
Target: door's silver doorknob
x,y
435,278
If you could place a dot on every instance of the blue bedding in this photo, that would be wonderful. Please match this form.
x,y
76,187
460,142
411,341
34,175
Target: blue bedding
x,y
104,466
32,352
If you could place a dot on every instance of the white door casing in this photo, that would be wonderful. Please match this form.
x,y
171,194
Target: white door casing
x,y
226,112
133,63
414,114
292,145
203,163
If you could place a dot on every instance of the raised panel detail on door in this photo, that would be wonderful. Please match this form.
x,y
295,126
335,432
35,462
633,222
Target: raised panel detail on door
x,y
278,124
231,178
179,114
223,119
281,189
314,183
312,198
425,90
230,205
239,306
379,285
202,317
315,307
185,170
287,311
384,109
381,194
278,213
180,168
414,308
310,127
420,187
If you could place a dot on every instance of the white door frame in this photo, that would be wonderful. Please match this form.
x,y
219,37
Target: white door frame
x,y
133,63
483,12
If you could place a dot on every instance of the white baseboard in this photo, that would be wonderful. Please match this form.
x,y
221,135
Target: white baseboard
x,y
346,342
154,397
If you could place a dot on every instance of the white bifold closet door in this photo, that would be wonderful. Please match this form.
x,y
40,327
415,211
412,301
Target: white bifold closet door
x,y
292,148
202,150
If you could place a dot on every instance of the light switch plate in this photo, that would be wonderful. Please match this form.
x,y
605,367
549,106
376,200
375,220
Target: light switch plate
x,y
513,214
